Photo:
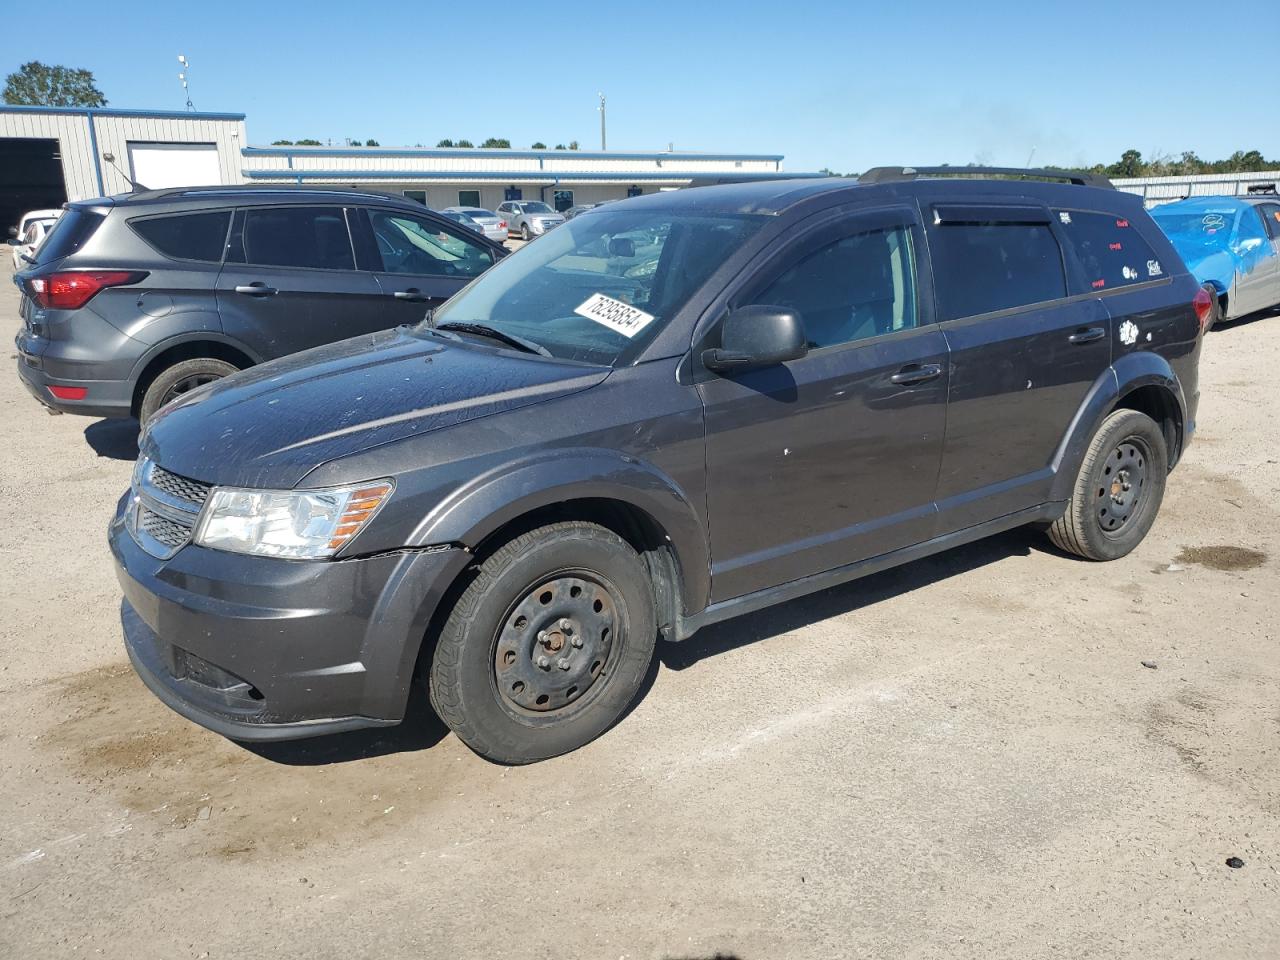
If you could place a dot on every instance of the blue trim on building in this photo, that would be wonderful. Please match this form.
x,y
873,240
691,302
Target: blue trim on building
x,y
457,154
121,112
516,176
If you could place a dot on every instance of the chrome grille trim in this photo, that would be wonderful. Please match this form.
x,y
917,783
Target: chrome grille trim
x,y
163,511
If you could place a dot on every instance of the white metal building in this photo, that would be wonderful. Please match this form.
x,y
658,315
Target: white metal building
x,y
1157,190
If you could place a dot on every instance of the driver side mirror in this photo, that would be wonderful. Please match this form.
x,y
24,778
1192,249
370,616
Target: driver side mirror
x,y
759,335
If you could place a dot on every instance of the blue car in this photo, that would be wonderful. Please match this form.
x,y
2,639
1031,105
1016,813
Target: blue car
x,y
1230,244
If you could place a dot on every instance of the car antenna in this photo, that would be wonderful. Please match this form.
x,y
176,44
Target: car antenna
x,y
135,186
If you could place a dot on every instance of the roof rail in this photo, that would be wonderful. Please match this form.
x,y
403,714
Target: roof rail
x,y
259,188
895,174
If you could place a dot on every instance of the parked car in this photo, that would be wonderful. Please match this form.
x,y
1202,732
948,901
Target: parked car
x,y
463,219
31,238
19,230
134,300
595,444
529,218
495,228
583,208
1231,245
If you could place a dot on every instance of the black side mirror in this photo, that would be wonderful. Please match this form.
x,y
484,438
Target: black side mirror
x,y
759,335
13,231
622,247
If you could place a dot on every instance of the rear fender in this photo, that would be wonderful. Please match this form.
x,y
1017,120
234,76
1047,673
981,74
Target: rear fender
x,y
482,507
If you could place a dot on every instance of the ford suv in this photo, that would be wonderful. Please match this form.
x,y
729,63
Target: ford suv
x,y
133,300
672,410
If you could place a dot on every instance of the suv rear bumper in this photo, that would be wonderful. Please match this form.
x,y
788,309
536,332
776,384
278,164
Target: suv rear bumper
x,y
39,372
260,649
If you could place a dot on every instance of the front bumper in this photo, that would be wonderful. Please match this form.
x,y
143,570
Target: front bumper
x,y
256,648
39,372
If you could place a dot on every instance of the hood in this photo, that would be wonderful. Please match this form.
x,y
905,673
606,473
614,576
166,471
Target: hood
x,y
269,426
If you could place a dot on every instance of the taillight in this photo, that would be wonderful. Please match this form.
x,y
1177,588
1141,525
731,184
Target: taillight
x,y
503,224
1203,304
72,289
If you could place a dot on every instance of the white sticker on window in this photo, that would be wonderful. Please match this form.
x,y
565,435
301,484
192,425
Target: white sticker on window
x,y
614,314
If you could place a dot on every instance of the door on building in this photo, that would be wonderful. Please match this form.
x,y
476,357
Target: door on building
x,y
160,165
562,200
30,178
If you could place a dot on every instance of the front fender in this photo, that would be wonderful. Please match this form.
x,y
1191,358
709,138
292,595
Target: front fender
x,y
1128,373
481,507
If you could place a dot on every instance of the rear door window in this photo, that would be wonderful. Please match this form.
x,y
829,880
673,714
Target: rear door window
x,y
980,267
1110,251
314,237
416,245
187,236
71,232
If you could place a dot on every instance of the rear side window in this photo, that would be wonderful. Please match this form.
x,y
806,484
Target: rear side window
x,y
1110,250
71,231
313,237
981,267
188,236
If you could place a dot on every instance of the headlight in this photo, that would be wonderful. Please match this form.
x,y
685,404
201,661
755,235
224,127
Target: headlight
x,y
295,524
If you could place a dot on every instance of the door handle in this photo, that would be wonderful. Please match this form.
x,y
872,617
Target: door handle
x,y
916,373
256,289
1088,335
413,293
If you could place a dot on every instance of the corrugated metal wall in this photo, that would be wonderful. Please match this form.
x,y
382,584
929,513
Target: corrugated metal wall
x,y
1158,190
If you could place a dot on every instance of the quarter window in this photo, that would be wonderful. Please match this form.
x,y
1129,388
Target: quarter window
x,y
190,236
297,237
408,244
1110,250
982,267
857,287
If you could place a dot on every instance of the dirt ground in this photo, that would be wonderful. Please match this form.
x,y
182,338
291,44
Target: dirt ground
x,y
962,758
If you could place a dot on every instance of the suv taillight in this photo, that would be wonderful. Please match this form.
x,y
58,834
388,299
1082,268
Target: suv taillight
x,y
72,289
1203,304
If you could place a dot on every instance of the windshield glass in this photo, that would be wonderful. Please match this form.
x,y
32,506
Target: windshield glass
x,y
598,284
536,207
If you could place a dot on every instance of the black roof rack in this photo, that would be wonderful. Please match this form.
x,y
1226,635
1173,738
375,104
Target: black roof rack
x,y
261,189
895,174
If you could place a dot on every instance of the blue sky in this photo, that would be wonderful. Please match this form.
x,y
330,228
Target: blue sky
x,y
826,84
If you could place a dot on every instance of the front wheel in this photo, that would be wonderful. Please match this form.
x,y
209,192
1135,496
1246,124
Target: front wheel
x,y
525,233
548,646
1119,489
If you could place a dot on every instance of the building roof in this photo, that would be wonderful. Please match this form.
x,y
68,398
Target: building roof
x,y
485,153
122,112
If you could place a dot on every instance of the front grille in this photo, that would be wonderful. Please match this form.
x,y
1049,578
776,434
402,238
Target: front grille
x,y
192,491
169,532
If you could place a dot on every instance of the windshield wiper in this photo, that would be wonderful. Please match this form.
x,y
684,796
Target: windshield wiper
x,y
483,330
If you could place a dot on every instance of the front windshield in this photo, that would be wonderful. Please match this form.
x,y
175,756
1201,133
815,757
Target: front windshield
x,y
600,283
537,207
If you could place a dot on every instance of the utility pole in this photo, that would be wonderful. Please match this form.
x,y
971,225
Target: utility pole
x,y
602,140
186,69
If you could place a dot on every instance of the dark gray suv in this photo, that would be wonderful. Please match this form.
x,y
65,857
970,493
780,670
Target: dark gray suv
x,y
669,411
134,300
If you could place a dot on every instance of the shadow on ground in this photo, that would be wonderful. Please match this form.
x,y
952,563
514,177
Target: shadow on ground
x,y
114,439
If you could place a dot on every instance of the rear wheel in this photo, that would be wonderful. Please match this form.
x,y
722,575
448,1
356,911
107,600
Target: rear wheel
x,y
180,379
1119,489
547,647
1215,310
525,233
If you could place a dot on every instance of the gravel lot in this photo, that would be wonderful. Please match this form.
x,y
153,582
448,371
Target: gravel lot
x,y
962,758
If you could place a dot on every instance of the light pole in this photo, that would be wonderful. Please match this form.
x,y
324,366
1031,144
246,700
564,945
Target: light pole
x,y
602,141
186,68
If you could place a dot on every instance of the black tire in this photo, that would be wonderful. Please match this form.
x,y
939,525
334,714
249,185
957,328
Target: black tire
x,y
1215,311
174,381
1119,490
525,233
569,593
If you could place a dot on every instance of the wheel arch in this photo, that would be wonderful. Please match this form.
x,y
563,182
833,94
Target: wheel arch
x,y
194,346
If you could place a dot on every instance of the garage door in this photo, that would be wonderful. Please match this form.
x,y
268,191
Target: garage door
x,y
158,165
30,179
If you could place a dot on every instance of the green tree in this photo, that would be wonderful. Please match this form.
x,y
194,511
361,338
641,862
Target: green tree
x,y
282,143
539,145
308,143
496,143
573,144
40,85
561,146
445,143
1130,165
372,143
464,144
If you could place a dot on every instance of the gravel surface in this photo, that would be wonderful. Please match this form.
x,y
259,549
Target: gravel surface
x,y
999,752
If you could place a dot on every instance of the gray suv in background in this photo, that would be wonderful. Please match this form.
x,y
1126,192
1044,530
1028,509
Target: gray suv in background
x,y
529,218
136,299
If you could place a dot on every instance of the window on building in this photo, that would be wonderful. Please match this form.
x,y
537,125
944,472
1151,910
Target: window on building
x,y
468,198
1111,252
189,236
513,193
857,287
418,195
981,267
414,245
634,191
297,237
562,200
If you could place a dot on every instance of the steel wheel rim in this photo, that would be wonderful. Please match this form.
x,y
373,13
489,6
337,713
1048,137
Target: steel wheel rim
x,y
186,385
552,651
1120,493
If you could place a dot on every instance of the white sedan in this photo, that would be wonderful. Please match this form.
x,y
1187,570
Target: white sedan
x,y
36,231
